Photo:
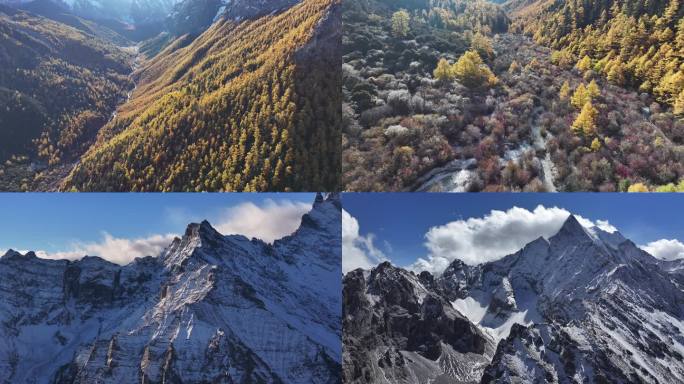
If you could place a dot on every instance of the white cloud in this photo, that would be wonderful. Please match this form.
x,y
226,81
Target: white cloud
x,y
270,221
357,251
605,226
497,234
117,250
665,249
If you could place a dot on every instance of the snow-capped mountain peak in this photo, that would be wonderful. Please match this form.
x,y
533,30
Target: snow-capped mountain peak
x,y
586,305
324,213
572,230
572,290
211,308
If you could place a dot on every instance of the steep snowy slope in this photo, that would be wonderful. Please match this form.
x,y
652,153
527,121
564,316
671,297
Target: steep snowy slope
x,y
211,308
598,309
585,306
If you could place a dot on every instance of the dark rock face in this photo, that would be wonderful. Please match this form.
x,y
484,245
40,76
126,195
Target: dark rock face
x,y
391,319
249,9
456,279
192,16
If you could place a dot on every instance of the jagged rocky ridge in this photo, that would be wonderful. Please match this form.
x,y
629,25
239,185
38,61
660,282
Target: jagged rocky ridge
x,y
585,305
210,308
138,11
194,16
399,330
153,16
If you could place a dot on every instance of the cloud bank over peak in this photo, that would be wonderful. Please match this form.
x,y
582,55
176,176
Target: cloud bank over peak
x,y
270,221
115,249
478,240
358,251
665,249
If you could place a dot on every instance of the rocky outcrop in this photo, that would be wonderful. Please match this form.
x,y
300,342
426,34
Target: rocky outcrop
x,y
192,16
398,328
249,9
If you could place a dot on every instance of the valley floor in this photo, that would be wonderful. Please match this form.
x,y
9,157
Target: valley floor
x,y
459,174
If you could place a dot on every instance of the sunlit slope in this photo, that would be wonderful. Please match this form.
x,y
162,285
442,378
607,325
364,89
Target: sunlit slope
x,y
245,106
636,44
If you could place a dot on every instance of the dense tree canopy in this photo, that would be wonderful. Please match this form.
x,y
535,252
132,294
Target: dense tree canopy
x,y
633,43
420,112
247,106
585,124
472,72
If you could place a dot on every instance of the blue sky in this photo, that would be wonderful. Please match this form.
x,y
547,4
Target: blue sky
x,y
55,222
399,222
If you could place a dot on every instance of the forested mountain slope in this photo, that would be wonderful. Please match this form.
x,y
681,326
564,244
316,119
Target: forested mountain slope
x,y
633,43
59,12
444,98
129,11
250,105
58,86
231,96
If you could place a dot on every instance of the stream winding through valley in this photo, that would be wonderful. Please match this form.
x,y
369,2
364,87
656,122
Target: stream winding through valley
x,y
458,174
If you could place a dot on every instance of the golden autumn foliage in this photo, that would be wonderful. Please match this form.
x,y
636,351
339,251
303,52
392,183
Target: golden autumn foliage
x,y
564,93
443,71
679,104
632,43
471,71
580,97
514,67
593,90
595,144
247,106
638,187
400,23
584,64
482,45
585,123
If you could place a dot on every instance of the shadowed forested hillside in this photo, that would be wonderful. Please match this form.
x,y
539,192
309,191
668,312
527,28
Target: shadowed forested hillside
x,y
58,86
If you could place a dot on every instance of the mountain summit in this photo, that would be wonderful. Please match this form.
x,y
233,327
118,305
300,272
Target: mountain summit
x,y
210,308
586,305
